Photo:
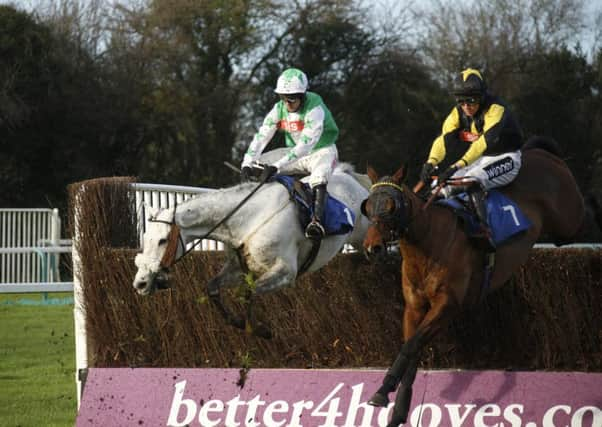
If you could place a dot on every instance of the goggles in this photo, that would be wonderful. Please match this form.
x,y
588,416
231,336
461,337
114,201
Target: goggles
x,y
289,99
467,100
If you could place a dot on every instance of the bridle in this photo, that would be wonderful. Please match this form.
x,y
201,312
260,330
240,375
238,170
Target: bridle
x,y
174,238
392,220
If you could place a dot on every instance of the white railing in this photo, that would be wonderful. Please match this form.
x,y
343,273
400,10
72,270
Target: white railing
x,y
30,250
167,196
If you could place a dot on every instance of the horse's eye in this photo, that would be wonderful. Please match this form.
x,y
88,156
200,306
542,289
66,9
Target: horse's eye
x,y
162,242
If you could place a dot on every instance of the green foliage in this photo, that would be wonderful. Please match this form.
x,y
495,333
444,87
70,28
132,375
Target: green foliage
x,y
177,87
390,112
556,98
59,121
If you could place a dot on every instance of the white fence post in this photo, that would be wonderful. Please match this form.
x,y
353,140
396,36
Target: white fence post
x,y
79,312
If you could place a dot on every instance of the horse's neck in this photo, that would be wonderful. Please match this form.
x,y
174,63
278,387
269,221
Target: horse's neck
x,y
429,229
199,215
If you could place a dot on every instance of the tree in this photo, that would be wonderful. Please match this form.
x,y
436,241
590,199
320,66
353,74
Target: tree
x,y
497,36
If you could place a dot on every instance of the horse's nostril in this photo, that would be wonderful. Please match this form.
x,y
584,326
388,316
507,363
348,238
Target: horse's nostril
x,y
140,285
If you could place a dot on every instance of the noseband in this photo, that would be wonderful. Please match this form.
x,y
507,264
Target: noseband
x,y
174,238
393,220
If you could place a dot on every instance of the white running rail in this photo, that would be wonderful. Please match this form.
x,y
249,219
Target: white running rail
x,y
30,250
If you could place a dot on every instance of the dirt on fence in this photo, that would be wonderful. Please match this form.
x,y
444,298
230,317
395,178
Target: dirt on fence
x,y
347,315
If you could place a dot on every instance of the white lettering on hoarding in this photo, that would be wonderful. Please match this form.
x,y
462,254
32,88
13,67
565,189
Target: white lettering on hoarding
x,y
457,418
354,405
577,420
427,412
298,412
276,407
189,404
211,406
511,416
486,411
548,418
333,408
328,413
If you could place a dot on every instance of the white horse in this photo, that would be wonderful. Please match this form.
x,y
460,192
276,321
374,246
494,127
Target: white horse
x,y
263,237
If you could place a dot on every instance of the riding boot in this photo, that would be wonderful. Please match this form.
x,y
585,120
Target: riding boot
x,y
478,198
315,230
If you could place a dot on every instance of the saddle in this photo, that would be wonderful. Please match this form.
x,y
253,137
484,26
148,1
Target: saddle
x,y
338,218
505,217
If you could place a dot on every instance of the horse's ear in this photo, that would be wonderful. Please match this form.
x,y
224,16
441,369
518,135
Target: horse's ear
x,y
400,175
372,174
150,211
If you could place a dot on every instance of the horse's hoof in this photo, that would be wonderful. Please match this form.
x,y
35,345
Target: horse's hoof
x,y
379,400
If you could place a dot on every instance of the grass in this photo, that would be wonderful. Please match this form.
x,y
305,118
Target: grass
x,y
37,363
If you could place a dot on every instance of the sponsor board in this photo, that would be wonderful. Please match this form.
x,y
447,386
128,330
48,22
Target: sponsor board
x,y
329,398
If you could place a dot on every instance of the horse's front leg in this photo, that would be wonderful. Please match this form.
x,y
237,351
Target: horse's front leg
x,y
442,306
230,275
414,312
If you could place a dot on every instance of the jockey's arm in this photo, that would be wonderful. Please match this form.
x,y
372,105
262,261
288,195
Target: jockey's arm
x,y
450,126
310,135
493,121
262,137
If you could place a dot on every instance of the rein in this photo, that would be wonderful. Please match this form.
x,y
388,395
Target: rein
x,y
174,237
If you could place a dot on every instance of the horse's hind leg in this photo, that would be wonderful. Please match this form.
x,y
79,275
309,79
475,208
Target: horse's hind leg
x,y
280,275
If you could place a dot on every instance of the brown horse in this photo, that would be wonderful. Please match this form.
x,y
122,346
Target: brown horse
x,y
442,269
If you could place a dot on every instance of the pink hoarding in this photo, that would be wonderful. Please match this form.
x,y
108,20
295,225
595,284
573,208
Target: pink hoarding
x,y
312,398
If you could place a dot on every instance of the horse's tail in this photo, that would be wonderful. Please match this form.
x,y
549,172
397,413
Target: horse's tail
x,y
345,167
543,142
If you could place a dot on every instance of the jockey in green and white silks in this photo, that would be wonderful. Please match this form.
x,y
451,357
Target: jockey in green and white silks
x,y
309,130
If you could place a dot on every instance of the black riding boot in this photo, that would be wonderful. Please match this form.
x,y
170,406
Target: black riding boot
x,y
478,198
314,229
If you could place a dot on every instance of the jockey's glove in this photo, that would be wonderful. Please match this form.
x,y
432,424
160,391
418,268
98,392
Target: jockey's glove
x,y
427,172
447,174
268,172
246,173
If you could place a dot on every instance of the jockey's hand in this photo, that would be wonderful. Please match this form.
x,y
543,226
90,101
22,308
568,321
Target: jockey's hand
x,y
246,174
446,174
268,172
427,172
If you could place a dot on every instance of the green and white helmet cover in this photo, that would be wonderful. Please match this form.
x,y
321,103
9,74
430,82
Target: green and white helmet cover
x,y
291,81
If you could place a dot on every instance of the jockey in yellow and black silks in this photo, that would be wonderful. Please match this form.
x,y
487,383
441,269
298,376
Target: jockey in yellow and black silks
x,y
487,128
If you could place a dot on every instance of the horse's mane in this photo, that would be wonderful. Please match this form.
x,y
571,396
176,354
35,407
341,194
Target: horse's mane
x,y
543,142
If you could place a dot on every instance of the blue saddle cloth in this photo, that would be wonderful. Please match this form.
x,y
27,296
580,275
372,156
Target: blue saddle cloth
x,y
504,216
338,218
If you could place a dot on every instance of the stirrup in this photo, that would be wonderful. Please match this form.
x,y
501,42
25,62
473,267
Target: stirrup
x,y
314,230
